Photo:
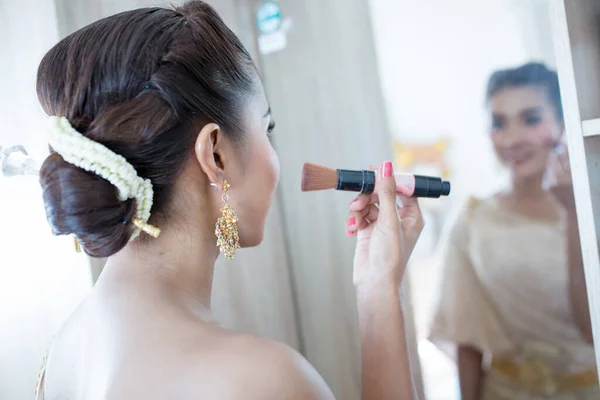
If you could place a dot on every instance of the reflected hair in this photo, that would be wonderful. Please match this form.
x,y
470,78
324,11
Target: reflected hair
x,y
530,74
141,83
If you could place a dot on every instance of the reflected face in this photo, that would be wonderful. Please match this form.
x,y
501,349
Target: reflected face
x,y
257,174
524,128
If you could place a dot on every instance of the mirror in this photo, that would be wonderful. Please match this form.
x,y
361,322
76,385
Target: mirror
x,y
497,280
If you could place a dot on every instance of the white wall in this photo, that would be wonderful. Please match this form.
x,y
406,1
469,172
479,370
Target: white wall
x,y
28,30
41,278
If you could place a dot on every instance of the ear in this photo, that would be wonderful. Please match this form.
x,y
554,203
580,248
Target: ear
x,y
207,150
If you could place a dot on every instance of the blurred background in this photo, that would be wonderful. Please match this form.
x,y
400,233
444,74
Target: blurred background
x,y
351,83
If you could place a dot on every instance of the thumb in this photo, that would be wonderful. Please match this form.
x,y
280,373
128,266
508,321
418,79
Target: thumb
x,y
550,174
385,188
410,213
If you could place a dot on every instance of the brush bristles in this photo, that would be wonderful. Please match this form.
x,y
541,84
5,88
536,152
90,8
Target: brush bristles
x,y
317,177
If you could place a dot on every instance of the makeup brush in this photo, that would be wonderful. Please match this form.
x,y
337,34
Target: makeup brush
x,y
318,177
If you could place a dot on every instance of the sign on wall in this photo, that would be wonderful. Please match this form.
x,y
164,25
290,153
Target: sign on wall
x,y
272,28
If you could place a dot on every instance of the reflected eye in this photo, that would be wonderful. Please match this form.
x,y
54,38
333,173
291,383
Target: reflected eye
x,y
533,120
497,125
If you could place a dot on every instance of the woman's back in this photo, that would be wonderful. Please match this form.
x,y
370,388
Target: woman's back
x,y
119,345
126,342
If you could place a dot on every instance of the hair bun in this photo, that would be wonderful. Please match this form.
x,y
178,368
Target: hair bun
x,y
83,204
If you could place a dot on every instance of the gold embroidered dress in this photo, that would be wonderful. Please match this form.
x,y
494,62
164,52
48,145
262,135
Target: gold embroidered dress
x,y
505,292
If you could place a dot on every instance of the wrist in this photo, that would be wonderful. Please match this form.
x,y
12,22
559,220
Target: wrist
x,y
369,290
378,277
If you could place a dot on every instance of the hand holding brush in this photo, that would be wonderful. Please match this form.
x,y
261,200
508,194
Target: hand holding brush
x,y
386,237
402,225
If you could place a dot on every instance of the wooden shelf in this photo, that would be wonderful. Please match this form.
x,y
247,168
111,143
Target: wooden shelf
x,y
591,127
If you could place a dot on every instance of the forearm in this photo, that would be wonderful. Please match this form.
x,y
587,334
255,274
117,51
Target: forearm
x,y
385,361
577,287
470,372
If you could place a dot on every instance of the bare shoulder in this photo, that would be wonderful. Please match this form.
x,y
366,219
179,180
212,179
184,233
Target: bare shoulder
x,y
254,368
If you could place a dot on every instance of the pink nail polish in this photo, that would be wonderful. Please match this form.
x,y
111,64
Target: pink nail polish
x,y
388,170
354,201
351,222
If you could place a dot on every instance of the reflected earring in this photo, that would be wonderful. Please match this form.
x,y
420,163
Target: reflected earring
x,y
226,227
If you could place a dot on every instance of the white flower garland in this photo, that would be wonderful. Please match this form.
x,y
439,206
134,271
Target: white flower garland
x,y
93,157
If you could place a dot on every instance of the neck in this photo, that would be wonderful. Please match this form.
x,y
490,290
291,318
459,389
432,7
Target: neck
x,y
180,264
528,188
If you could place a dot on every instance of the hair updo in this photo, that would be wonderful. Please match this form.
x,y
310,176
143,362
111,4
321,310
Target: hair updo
x,y
138,82
530,74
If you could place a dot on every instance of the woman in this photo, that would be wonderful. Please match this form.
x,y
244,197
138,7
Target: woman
x,y
163,131
513,287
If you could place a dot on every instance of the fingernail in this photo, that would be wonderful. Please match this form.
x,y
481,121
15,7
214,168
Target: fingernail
x,y
354,201
388,169
350,233
351,222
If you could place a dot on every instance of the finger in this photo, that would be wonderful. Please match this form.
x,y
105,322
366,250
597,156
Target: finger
x,y
559,169
351,223
385,187
354,217
358,220
408,202
363,221
563,161
373,214
403,191
554,170
362,201
410,208
559,148
554,166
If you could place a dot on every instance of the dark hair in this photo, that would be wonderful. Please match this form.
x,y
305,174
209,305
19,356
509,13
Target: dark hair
x,y
140,83
530,74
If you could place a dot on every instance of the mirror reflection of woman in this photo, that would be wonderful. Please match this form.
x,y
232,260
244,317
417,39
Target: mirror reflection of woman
x,y
513,297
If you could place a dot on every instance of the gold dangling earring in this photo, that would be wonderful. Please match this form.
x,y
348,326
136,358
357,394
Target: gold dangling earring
x,y
76,244
226,227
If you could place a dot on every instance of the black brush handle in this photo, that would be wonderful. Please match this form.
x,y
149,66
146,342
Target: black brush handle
x,y
364,182
356,181
429,186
